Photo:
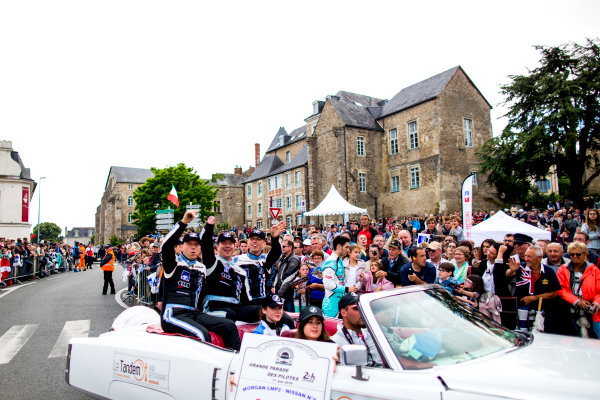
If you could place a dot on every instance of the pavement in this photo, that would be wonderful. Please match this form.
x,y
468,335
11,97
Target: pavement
x,y
38,318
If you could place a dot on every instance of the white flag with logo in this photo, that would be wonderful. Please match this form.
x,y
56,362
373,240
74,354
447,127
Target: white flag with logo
x,y
467,206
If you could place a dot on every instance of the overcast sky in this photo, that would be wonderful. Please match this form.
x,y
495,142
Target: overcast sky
x,y
90,84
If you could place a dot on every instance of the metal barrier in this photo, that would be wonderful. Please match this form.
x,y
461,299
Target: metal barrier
x,y
35,267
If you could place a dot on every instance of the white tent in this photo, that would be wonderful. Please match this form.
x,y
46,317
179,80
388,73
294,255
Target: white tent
x,y
500,224
335,204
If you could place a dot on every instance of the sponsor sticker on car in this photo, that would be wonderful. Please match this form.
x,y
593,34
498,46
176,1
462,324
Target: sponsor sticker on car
x,y
141,370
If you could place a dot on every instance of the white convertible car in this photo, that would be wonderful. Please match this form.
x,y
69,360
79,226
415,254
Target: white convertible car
x,y
432,346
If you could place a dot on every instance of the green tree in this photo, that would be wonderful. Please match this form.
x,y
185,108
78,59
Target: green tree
x,y
114,240
553,120
49,231
152,195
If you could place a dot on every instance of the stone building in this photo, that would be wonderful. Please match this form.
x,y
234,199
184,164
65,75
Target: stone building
x,y
81,235
404,156
16,190
279,179
113,215
229,204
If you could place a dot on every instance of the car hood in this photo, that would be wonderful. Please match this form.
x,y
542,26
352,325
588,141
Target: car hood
x,y
551,367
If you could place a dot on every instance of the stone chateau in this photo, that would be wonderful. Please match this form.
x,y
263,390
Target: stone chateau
x,y
403,156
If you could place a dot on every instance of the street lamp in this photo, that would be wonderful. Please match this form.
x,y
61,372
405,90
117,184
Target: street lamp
x,y
39,206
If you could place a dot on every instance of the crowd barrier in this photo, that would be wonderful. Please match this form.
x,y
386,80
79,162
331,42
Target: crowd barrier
x,y
33,267
142,293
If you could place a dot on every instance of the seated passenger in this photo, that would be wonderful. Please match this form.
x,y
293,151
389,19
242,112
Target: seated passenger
x,y
352,330
271,313
311,325
184,285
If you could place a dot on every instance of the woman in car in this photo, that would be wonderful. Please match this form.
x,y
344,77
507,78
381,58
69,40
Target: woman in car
x,y
311,325
270,317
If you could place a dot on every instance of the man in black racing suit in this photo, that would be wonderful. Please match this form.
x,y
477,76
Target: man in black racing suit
x,y
228,291
185,286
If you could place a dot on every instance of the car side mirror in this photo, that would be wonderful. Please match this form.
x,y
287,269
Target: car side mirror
x,y
355,354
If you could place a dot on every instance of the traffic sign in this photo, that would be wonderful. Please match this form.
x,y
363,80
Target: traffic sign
x,y
274,212
196,221
169,211
164,227
164,216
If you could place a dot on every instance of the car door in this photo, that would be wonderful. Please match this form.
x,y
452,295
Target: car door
x,y
384,383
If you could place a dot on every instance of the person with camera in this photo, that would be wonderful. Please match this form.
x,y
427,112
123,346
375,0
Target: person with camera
x,y
418,271
579,281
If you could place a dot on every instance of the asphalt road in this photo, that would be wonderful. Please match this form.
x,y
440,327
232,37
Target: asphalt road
x,y
36,321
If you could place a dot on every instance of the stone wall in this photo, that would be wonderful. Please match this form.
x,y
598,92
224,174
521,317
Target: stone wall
x,y
460,100
231,206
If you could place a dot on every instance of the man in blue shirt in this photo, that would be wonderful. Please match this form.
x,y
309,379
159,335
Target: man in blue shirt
x,y
419,271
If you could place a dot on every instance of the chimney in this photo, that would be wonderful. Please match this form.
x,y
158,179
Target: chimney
x,y
237,170
256,154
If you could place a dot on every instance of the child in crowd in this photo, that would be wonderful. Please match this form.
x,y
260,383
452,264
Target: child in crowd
x,y
370,283
471,290
298,281
445,278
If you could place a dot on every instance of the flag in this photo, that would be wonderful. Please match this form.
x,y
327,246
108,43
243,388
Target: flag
x,y
172,197
467,205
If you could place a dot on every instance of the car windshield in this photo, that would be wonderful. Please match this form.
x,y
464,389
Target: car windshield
x,y
428,328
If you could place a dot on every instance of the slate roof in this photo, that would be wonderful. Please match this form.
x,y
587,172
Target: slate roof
x,y
129,175
82,232
229,180
359,99
272,165
288,138
355,116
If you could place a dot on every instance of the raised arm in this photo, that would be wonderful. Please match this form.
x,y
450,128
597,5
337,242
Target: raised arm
x,y
206,245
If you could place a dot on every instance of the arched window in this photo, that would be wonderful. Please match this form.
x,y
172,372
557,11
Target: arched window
x,y
130,201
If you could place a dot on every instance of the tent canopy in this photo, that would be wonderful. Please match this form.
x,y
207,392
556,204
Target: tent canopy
x,y
334,204
500,224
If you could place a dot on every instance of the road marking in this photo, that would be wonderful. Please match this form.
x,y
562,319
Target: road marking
x,y
14,287
72,329
12,341
118,298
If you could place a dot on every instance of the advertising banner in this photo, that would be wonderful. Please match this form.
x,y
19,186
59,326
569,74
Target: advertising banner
x,y
467,206
25,205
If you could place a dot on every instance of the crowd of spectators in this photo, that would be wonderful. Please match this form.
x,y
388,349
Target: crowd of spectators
x,y
507,280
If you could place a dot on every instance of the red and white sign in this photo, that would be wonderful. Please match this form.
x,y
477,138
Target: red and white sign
x,y
25,205
274,212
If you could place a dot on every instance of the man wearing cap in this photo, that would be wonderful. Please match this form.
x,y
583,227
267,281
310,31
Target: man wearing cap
x,y
434,250
107,264
395,260
258,265
184,287
333,276
307,243
521,243
155,260
352,329
228,290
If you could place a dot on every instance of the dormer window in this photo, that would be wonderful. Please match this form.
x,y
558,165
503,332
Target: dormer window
x,y
281,140
288,157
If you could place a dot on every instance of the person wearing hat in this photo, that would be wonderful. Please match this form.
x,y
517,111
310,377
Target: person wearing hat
x,y
352,329
257,265
396,259
311,325
228,289
307,244
271,314
107,264
184,287
434,252
521,243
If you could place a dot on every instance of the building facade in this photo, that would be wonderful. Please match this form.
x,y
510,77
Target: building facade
x,y
16,190
403,156
114,214
81,235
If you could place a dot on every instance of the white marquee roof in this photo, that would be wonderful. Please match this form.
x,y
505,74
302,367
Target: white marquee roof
x,y
335,204
500,224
